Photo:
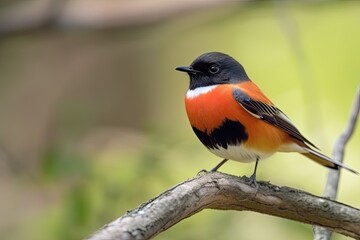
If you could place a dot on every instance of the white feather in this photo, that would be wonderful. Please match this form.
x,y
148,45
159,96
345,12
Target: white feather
x,y
239,153
198,91
292,147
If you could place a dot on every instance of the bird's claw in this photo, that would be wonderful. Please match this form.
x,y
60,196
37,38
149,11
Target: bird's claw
x,y
252,181
201,172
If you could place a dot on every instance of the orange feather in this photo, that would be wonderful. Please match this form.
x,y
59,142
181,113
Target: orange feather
x,y
208,111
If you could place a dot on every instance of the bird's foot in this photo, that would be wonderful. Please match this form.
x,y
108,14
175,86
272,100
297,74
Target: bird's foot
x,y
252,181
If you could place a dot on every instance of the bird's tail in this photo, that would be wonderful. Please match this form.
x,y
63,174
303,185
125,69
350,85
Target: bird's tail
x,y
324,160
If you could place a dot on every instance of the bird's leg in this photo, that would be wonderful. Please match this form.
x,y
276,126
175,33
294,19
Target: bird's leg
x,y
253,176
214,169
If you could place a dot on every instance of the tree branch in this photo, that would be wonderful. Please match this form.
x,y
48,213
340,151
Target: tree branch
x,y
95,14
225,192
333,178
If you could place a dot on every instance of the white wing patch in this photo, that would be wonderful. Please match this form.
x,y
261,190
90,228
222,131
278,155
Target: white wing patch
x,y
198,91
253,114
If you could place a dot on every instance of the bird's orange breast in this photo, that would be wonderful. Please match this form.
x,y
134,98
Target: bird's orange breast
x,y
208,111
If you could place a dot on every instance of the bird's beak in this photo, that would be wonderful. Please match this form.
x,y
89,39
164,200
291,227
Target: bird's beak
x,y
188,69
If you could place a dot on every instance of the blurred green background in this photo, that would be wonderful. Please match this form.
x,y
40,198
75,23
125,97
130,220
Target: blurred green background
x,y
93,121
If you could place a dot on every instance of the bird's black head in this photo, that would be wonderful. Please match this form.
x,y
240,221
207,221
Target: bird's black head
x,y
214,68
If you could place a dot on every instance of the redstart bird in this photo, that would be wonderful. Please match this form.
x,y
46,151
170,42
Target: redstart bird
x,y
233,118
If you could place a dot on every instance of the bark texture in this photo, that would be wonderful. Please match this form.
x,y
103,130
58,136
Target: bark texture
x,y
226,192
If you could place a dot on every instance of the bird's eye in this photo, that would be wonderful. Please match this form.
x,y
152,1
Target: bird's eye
x,y
214,69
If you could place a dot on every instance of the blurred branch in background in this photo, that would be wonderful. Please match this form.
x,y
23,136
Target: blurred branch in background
x,y
226,192
32,15
333,179
291,30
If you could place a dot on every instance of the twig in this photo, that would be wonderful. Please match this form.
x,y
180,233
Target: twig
x,y
333,178
226,192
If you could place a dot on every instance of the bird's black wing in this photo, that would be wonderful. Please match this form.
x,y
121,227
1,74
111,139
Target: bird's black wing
x,y
270,114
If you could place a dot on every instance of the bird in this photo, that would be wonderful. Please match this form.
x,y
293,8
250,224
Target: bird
x,y
234,119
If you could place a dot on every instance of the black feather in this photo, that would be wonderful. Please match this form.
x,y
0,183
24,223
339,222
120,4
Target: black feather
x,y
270,114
